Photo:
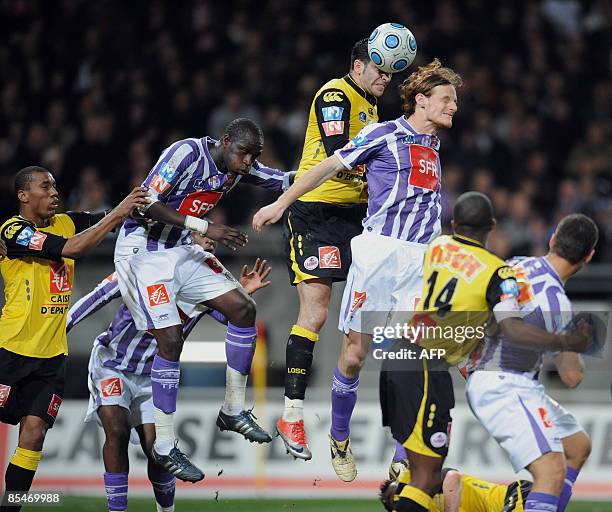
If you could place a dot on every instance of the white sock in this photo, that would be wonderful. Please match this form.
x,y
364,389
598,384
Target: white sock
x,y
235,391
294,409
164,509
164,431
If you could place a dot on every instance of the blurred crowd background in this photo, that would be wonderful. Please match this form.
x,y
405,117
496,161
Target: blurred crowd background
x,y
94,90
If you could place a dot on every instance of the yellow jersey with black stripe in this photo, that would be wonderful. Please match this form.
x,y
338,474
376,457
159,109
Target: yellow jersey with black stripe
x,y
37,284
463,283
338,112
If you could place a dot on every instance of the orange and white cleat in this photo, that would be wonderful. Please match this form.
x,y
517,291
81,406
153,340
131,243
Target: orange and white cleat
x,y
293,435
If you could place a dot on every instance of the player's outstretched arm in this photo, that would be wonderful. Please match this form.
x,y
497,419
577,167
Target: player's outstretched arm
x,y
90,238
225,235
451,488
522,333
309,181
570,367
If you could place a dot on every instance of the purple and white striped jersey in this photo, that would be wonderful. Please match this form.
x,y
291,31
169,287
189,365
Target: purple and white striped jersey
x,y
122,346
403,173
186,178
544,304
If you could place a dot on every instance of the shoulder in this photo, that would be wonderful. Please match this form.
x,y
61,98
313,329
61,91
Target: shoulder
x,y
13,227
64,223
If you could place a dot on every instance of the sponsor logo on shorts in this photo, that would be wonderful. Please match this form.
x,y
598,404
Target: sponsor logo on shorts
x,y
25,236
545,419
59,278
158,294
438,440
329,257
311,263
358,300
54,406
111,387
214,264
333,128
5,391
332,113
301,371
165,316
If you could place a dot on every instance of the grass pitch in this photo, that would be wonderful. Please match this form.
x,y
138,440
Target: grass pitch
x,y
85,504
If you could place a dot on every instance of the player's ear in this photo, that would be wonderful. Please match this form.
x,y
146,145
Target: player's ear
x,y
589,257
493,224
552,241
23,196
225,140
420,99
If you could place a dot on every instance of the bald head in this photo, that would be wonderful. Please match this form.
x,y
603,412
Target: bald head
x,y
473,214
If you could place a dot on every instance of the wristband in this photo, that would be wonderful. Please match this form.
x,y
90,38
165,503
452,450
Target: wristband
x,y
195,224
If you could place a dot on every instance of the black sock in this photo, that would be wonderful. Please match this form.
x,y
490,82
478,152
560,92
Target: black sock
x,y
298,363
16,478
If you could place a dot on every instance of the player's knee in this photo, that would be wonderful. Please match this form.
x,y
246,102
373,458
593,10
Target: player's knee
x,y
117,435
313,316
549,470
244,312
580,450
32,435
354,359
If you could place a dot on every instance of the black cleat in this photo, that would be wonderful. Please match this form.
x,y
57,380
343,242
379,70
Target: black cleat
x,y
244,423
177,463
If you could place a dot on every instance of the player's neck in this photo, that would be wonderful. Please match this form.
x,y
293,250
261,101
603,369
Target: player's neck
x,y
40,222
561,266
217,156
421,124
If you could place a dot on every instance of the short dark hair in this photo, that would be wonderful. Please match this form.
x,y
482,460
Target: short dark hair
x,y
24,177
243,129
473,213
360,52
575,237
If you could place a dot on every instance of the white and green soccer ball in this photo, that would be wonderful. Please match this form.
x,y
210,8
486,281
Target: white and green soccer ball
x,y
392,47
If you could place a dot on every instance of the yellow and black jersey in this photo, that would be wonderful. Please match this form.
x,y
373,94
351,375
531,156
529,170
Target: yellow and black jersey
x,y
463,284
339,111
38,283
478,495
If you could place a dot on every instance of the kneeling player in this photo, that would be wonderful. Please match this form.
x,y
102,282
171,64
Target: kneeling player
x,y
120,386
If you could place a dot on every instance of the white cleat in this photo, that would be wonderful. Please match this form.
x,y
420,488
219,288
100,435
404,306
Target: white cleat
x,y
342,459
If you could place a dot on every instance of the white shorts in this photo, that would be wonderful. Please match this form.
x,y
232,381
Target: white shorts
x,y
108,386
384,280
151,283
518,413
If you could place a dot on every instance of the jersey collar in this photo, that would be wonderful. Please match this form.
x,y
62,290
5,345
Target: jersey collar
x,y
551,269
371,99
467,241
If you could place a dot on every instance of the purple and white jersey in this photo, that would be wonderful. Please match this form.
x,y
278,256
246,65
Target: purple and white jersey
x,y
403,173
543,303
186,178
122,346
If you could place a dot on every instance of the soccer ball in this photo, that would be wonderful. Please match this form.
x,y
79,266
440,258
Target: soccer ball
x,y
392,47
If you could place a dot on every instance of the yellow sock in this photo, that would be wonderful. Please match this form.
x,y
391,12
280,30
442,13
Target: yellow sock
x,y
26,459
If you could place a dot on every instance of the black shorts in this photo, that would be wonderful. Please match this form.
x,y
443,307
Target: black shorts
x,y
416,402
318,239
30,386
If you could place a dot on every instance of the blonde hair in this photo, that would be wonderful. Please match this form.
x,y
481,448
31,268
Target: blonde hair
x,y
423,80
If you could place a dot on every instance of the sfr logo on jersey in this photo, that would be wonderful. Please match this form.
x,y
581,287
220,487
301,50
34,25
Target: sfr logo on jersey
x,y
54,406
329,257
5,391
60,279
158,294
199,203
111,387
425,172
